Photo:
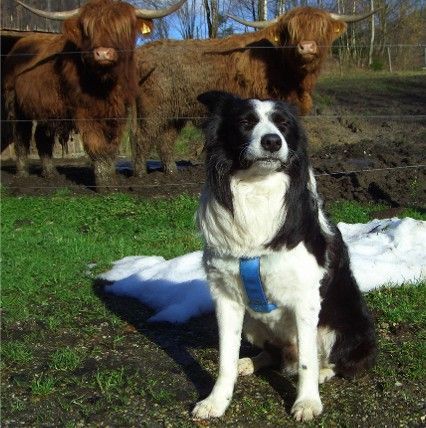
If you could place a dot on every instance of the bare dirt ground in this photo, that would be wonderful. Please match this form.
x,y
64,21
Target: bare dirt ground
x,y
361,122
362,172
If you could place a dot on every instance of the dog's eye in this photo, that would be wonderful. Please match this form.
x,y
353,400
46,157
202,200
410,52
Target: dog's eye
x,y
281,123
246,122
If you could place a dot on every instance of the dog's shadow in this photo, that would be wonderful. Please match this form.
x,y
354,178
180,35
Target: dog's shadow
x,y
282,385
177,340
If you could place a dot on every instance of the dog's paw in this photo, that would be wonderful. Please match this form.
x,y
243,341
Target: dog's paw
x,y
305,410
325,374
245,366
210,408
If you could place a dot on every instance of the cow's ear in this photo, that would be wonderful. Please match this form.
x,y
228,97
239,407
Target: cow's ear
x,y
339,27
214,100
145,27
71,30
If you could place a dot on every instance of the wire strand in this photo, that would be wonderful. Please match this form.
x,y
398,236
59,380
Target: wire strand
x,y
141,186
171,118
237,47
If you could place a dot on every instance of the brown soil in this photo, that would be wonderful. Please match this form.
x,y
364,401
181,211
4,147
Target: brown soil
x,y
340,170
374,121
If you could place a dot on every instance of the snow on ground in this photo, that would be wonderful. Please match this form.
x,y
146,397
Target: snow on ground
x,y
383,252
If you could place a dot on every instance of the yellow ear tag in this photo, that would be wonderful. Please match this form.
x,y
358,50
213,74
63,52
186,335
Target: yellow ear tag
x,y
145,29
337,30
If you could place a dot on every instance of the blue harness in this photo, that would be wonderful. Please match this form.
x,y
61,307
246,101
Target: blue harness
x,y
250,275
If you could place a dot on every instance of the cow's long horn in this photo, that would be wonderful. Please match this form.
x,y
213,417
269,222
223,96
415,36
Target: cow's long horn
x,y
352,18
158,13
59,16
254,24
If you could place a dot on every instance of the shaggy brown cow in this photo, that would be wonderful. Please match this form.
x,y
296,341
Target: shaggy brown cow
x,y
84,78
280,61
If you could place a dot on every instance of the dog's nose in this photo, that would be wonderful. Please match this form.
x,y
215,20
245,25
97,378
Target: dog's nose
x,y
271,142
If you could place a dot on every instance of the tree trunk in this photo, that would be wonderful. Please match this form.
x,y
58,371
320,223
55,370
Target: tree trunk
x,y
212,17
208,18
370,53
279,10
262,8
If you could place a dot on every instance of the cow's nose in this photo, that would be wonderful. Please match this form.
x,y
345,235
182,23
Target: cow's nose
x,y
105,54
307,47
271,142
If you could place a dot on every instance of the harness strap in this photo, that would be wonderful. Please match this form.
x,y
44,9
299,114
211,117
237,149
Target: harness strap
x,y
250,276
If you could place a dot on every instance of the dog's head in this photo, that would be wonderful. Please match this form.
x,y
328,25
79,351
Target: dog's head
x,y
260,137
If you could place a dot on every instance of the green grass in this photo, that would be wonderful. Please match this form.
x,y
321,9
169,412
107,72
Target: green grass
x,y
65,359
50,242
16,352
399,89
109,381
42,385
402,304
188,139
65,352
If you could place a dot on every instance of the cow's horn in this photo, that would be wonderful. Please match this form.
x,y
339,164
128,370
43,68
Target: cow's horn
x,y
254,24
352,18
158,13
59,16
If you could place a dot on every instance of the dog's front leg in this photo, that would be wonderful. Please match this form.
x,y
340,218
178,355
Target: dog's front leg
x,y
230,317
308,402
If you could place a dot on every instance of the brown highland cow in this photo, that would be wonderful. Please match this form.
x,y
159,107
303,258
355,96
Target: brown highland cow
x,y
84,78
282,60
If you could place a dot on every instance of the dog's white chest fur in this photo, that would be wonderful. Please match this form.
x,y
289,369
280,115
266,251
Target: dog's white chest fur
x,y
258,215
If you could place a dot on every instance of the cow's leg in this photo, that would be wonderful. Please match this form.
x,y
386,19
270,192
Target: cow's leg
x,y
22,140
306,103
102,153
142,136
140,144
308,402
105,175
165,148
230,321
45,140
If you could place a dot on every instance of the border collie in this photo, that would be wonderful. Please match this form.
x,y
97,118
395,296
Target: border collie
x,y
274,263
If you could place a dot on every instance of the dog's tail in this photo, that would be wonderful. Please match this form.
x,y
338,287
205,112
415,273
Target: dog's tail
x,y
353,354
345,312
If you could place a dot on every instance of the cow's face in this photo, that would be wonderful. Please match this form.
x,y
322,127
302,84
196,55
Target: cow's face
x,y
105,32
309,34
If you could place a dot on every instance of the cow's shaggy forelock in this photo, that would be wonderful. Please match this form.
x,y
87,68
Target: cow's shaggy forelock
x,y
115,27
309,24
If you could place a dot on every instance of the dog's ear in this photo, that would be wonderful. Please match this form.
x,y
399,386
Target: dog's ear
x,y
214,100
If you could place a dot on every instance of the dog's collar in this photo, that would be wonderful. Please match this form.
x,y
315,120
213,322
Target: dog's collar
x,y
250,276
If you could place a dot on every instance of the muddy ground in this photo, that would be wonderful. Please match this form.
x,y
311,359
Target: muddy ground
x,y
361,121
386,172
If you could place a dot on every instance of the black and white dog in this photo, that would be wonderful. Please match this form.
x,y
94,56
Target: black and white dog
x,y
272,258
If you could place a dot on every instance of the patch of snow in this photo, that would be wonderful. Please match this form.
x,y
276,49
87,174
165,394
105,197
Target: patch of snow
x,y
382,252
